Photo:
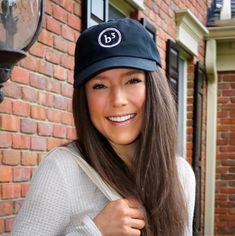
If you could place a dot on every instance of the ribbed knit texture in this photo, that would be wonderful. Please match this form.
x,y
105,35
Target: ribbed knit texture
x,y
62,200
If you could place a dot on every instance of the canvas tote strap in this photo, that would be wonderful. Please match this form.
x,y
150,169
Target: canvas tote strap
x,y
109,192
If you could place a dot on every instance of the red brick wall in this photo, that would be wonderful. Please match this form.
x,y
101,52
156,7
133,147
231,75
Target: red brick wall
x,y
225,167
36,113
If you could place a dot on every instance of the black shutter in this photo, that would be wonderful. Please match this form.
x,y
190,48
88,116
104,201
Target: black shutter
x,y
94,12
197,142
172,66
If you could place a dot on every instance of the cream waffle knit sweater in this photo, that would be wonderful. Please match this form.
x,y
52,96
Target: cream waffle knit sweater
x,y
62,200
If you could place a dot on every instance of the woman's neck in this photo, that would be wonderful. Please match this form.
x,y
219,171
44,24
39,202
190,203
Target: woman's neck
x,y
126,152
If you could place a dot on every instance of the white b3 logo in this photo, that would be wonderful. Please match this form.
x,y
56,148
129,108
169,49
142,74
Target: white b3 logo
x,y
109,38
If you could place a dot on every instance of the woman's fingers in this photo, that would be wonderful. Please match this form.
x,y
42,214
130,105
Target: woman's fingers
x,y
136,223
136,213
121,217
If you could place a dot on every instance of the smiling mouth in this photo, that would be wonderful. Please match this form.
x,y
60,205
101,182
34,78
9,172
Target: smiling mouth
x,y
121,118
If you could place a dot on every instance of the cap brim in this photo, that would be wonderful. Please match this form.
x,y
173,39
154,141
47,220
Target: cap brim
x,y
113,62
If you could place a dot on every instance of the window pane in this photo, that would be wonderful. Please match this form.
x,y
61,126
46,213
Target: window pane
x,y
114,13
97,8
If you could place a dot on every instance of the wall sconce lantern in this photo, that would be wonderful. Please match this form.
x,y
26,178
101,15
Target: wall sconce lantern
x,y
20,23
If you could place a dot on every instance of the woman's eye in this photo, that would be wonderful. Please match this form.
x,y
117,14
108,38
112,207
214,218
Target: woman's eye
x,y
134,81
98,86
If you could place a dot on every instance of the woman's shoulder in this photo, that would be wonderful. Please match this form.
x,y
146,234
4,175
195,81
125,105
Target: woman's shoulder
x,y
185,171
62,158
63,154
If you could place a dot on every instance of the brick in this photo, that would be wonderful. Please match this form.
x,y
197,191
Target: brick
x,y
24,189
11,157
69,109
228,93
38,81
53,56
6,106
20,75
227,149
9,122
60,73
60,44
53,25
38,112
6,208
9,224
54,115
5,139
228,218
70,77
5,174
28,126
71,48
229,78
45,99
48,7
12,90
38,50
54,86
52,143
227,190
67,90
67,62
29,158
46,38
60,102
11,190
20,141
30,63
71,133
45,68
68,5
38,143
45,129
77,9
2,227
21,174
67,118
59,131
74,22
68,33
59,13
29,94
21,108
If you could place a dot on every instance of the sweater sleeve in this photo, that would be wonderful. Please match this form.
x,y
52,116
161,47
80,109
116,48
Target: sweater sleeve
x,y
187,178
46,209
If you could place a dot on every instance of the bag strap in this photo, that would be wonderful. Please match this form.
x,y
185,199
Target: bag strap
x,y
108,191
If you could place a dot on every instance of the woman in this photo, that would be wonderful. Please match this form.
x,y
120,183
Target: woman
x,y
125,120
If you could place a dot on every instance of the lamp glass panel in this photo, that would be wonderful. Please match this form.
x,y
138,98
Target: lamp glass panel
x,y
18,22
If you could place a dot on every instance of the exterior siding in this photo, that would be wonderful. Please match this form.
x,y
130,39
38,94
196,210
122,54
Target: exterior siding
x,y
36,113
225,171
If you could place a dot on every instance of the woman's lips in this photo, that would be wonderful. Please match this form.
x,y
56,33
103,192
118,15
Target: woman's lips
x,y
121,118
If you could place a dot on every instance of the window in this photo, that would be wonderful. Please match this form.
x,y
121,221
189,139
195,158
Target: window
x,y
177,75
98,11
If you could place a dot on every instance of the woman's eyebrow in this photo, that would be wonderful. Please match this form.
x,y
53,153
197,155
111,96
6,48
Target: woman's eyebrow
x,y
132,72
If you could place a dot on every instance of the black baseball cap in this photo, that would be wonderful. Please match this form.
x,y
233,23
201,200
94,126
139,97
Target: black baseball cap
x,y
116,43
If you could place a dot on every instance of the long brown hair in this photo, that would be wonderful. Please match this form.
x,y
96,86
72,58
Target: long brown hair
x,y
155,182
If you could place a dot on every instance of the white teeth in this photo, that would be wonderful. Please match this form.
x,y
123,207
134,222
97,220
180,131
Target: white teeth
x,y
121,118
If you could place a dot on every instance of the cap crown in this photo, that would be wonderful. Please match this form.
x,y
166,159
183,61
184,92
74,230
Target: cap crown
x,y
123,38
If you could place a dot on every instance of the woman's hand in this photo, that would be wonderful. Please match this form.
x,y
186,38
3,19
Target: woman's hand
x,y
121,217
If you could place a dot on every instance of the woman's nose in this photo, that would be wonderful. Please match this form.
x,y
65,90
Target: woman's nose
x,y
118,97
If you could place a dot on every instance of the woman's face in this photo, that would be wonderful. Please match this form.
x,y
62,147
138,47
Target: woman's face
x,y
116,101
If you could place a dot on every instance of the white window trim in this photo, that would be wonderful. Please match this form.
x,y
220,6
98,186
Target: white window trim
x,y
184,107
